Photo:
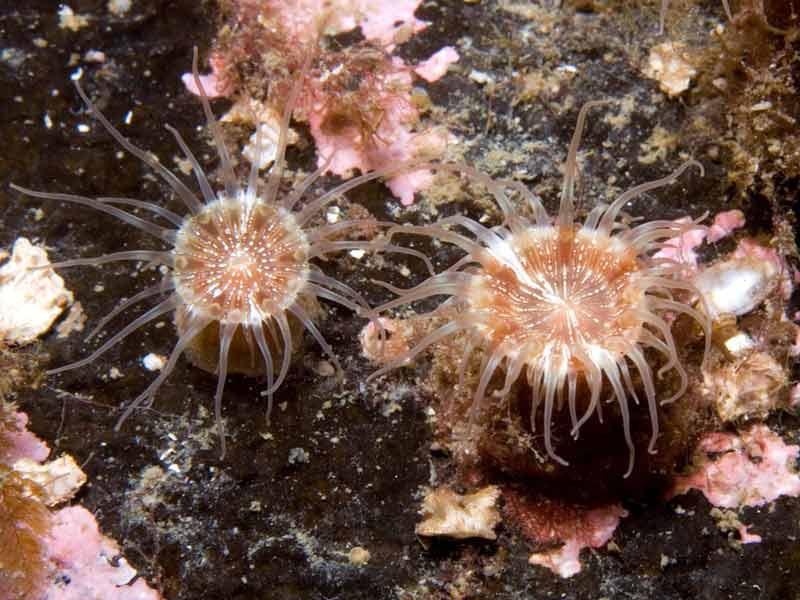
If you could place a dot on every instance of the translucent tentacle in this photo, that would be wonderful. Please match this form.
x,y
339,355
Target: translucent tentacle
x,y
163,233
566,209
228,330
611,214
155,312
161,288
199,174
153,256
430,339
228,176
176,184
195,327
170,216
261,341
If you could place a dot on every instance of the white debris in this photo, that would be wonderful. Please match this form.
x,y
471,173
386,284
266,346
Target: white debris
x,y
480,77
452,515
69,19
119,8
264,149
94,56
298,455
358,556
30,300
736,286
739,343
60,479
74,321
748,387
668,66
268,121
154,362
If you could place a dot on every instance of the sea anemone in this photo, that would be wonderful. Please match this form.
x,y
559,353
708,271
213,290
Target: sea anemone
x,y
240,275
566,303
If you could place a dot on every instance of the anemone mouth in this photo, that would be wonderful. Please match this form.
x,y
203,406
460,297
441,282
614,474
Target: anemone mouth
x,y
558,289
240,262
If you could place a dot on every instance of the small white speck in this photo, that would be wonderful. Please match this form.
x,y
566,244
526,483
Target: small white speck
x,y
69,19
358,253
94,56
119,7
128,117
76,74
298,455
48,122
153,362
83,128
739,343
332,214
480,77
115,373
98,288
174,468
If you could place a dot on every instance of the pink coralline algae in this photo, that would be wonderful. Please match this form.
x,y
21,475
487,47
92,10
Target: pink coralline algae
x,y
724,224
394,141
746,469
546,521
682,248
214,84
87,565
79,563
378,125
22,443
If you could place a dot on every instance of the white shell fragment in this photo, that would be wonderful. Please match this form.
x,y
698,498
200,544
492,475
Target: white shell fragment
x,y
268,120
667,65
60,479
30,300
748,387
452,515
736,286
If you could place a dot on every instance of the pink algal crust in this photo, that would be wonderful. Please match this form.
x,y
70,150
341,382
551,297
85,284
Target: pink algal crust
x,y
87,565
81,561
748,469
546,521
380,21
23,444
213,84
682,248
724,224
794,397
387,22
436,66
395,139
